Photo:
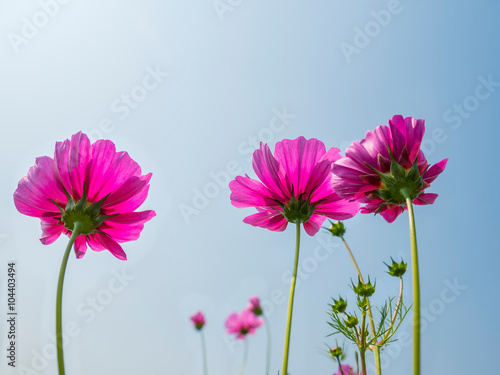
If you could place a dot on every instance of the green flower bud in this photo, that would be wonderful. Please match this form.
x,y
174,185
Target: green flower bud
x,y
351,321
336,351
337,229
339,305
397,269
364,290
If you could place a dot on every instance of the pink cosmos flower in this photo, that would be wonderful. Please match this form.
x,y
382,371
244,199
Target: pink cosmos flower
x,y
89,183
295,187
254,306
198,320
375,170
242,324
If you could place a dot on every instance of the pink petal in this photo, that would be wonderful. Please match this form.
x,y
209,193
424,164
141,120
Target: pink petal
x,y
108,170
51,230
298,158
391,212
268,170
337,208
269,219
72,157
424,199
397,126
127,226
80,246
129,196
313,225
33,193
108,243
431,174
246,192
416,131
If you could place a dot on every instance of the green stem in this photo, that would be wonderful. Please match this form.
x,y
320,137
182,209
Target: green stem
x,y
245,356
204,352
376,348
363,361
416,290
59,333
340,366
290,302
389,332
268,353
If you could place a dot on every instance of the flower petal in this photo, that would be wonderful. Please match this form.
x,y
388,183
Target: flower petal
x,y
391,212
108,170
269,219
270,173
42,183
80,246
51,230
313,225
425,198
127,226
129,196
246,192
431,174
298,158
72,157
99,242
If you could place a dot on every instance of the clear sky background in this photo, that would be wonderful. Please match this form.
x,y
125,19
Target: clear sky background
x,y
188,91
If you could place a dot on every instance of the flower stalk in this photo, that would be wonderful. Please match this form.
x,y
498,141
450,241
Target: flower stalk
x,y
59,333
245,357
416,289
374,348
268,351
204,353
290,302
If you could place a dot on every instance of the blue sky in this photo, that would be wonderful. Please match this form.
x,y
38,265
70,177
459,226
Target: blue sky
x,y
189,89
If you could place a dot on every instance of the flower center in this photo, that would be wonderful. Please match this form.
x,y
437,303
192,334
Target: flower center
x,y
88,215
298,210
399,183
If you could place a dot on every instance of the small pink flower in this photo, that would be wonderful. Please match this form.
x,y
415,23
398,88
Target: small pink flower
x,y
198,320
295,186
360,175
242,324
254,305
89,183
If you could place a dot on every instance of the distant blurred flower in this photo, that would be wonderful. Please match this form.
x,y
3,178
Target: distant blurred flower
x,y
347,370
198,320
243,324
254,306
91,184
295,187
386,167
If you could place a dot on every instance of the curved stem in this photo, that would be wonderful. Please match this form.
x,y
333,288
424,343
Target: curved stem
x,y
59,334
268,352
376,348
290,301
245,356
416,289
204,352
